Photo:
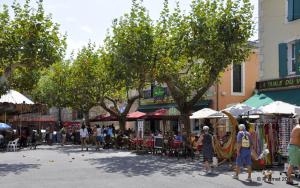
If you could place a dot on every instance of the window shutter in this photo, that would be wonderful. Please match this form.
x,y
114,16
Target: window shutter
x,y
283,60
297,56
296,9
291,10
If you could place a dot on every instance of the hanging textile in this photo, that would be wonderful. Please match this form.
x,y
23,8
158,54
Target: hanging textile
x,y
285,129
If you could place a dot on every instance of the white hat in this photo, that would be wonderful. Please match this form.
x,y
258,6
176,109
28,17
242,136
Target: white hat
x,y
242,126
205,128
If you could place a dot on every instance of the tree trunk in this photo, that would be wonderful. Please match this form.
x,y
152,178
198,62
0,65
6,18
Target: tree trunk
x,y
86,117
185,119
122,123
59,117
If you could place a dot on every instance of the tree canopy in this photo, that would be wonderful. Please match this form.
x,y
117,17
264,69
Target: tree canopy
x,y
83,90
52,88
29,41
186,51
128,51
191,50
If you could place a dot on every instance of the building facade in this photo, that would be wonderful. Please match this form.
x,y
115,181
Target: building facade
x,y
279,36
237,83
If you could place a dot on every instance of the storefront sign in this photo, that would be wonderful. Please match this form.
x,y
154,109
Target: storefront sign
x,y
158,92
278,83
158,142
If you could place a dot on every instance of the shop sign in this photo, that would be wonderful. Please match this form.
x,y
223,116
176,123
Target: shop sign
x,y
158,92
278,83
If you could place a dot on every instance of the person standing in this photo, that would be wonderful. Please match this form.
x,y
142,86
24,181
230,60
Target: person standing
x,y
50,137
63,133
293,153
110,131
244,147
33,140
94,136
99,137
207,147
1,139
83,137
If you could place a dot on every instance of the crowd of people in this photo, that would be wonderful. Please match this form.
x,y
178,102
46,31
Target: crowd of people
x,y
102,136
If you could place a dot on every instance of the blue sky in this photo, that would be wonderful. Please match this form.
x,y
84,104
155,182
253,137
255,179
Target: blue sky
x,y
85,20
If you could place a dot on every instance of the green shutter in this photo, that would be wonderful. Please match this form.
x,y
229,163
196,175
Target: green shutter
x,y
296,9
291,10
283,60
297,56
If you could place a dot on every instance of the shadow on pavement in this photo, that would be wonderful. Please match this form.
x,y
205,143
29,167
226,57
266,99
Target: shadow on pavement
x,y
253,183
69,149
145,165
17,169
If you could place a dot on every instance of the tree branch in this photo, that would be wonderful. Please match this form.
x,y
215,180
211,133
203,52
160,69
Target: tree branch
x,y
105,107
114,103
129,104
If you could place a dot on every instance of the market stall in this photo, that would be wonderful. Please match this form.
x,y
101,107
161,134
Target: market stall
x,y
273,130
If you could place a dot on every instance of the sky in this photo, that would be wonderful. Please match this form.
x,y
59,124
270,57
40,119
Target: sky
x,y
89,20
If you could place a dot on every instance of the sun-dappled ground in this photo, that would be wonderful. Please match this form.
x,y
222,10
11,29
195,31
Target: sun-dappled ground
x,y
68,166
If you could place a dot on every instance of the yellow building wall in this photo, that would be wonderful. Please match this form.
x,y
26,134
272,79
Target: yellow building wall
x,y
273,30
224,89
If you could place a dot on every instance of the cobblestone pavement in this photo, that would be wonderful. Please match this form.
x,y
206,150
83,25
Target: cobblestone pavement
x,y
68,166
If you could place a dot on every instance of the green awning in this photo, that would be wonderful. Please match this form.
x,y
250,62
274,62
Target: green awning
x,y
153,107
291,96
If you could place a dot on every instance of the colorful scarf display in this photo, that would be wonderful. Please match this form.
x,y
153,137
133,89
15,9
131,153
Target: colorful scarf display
x,y
275,133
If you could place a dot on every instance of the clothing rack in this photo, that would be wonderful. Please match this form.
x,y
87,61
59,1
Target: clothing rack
x,y
275,132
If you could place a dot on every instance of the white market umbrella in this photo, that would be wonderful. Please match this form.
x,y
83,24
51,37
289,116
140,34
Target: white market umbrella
x,y
279,107
15,97
203,113
255,111
235,110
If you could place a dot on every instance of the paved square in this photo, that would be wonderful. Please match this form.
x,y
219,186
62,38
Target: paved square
x,y
68,166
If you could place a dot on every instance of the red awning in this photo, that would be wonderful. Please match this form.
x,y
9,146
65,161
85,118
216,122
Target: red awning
x,y
104,118
35,119
135,115
72,123
160,114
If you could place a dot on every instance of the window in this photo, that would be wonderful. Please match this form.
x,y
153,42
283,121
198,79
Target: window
x,y
293,10
289,64
291,58
237,79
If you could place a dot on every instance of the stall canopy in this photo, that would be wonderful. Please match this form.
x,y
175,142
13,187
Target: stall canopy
x,y
263,98
203,113
256,111
235,110
279,107
15,97
15,102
